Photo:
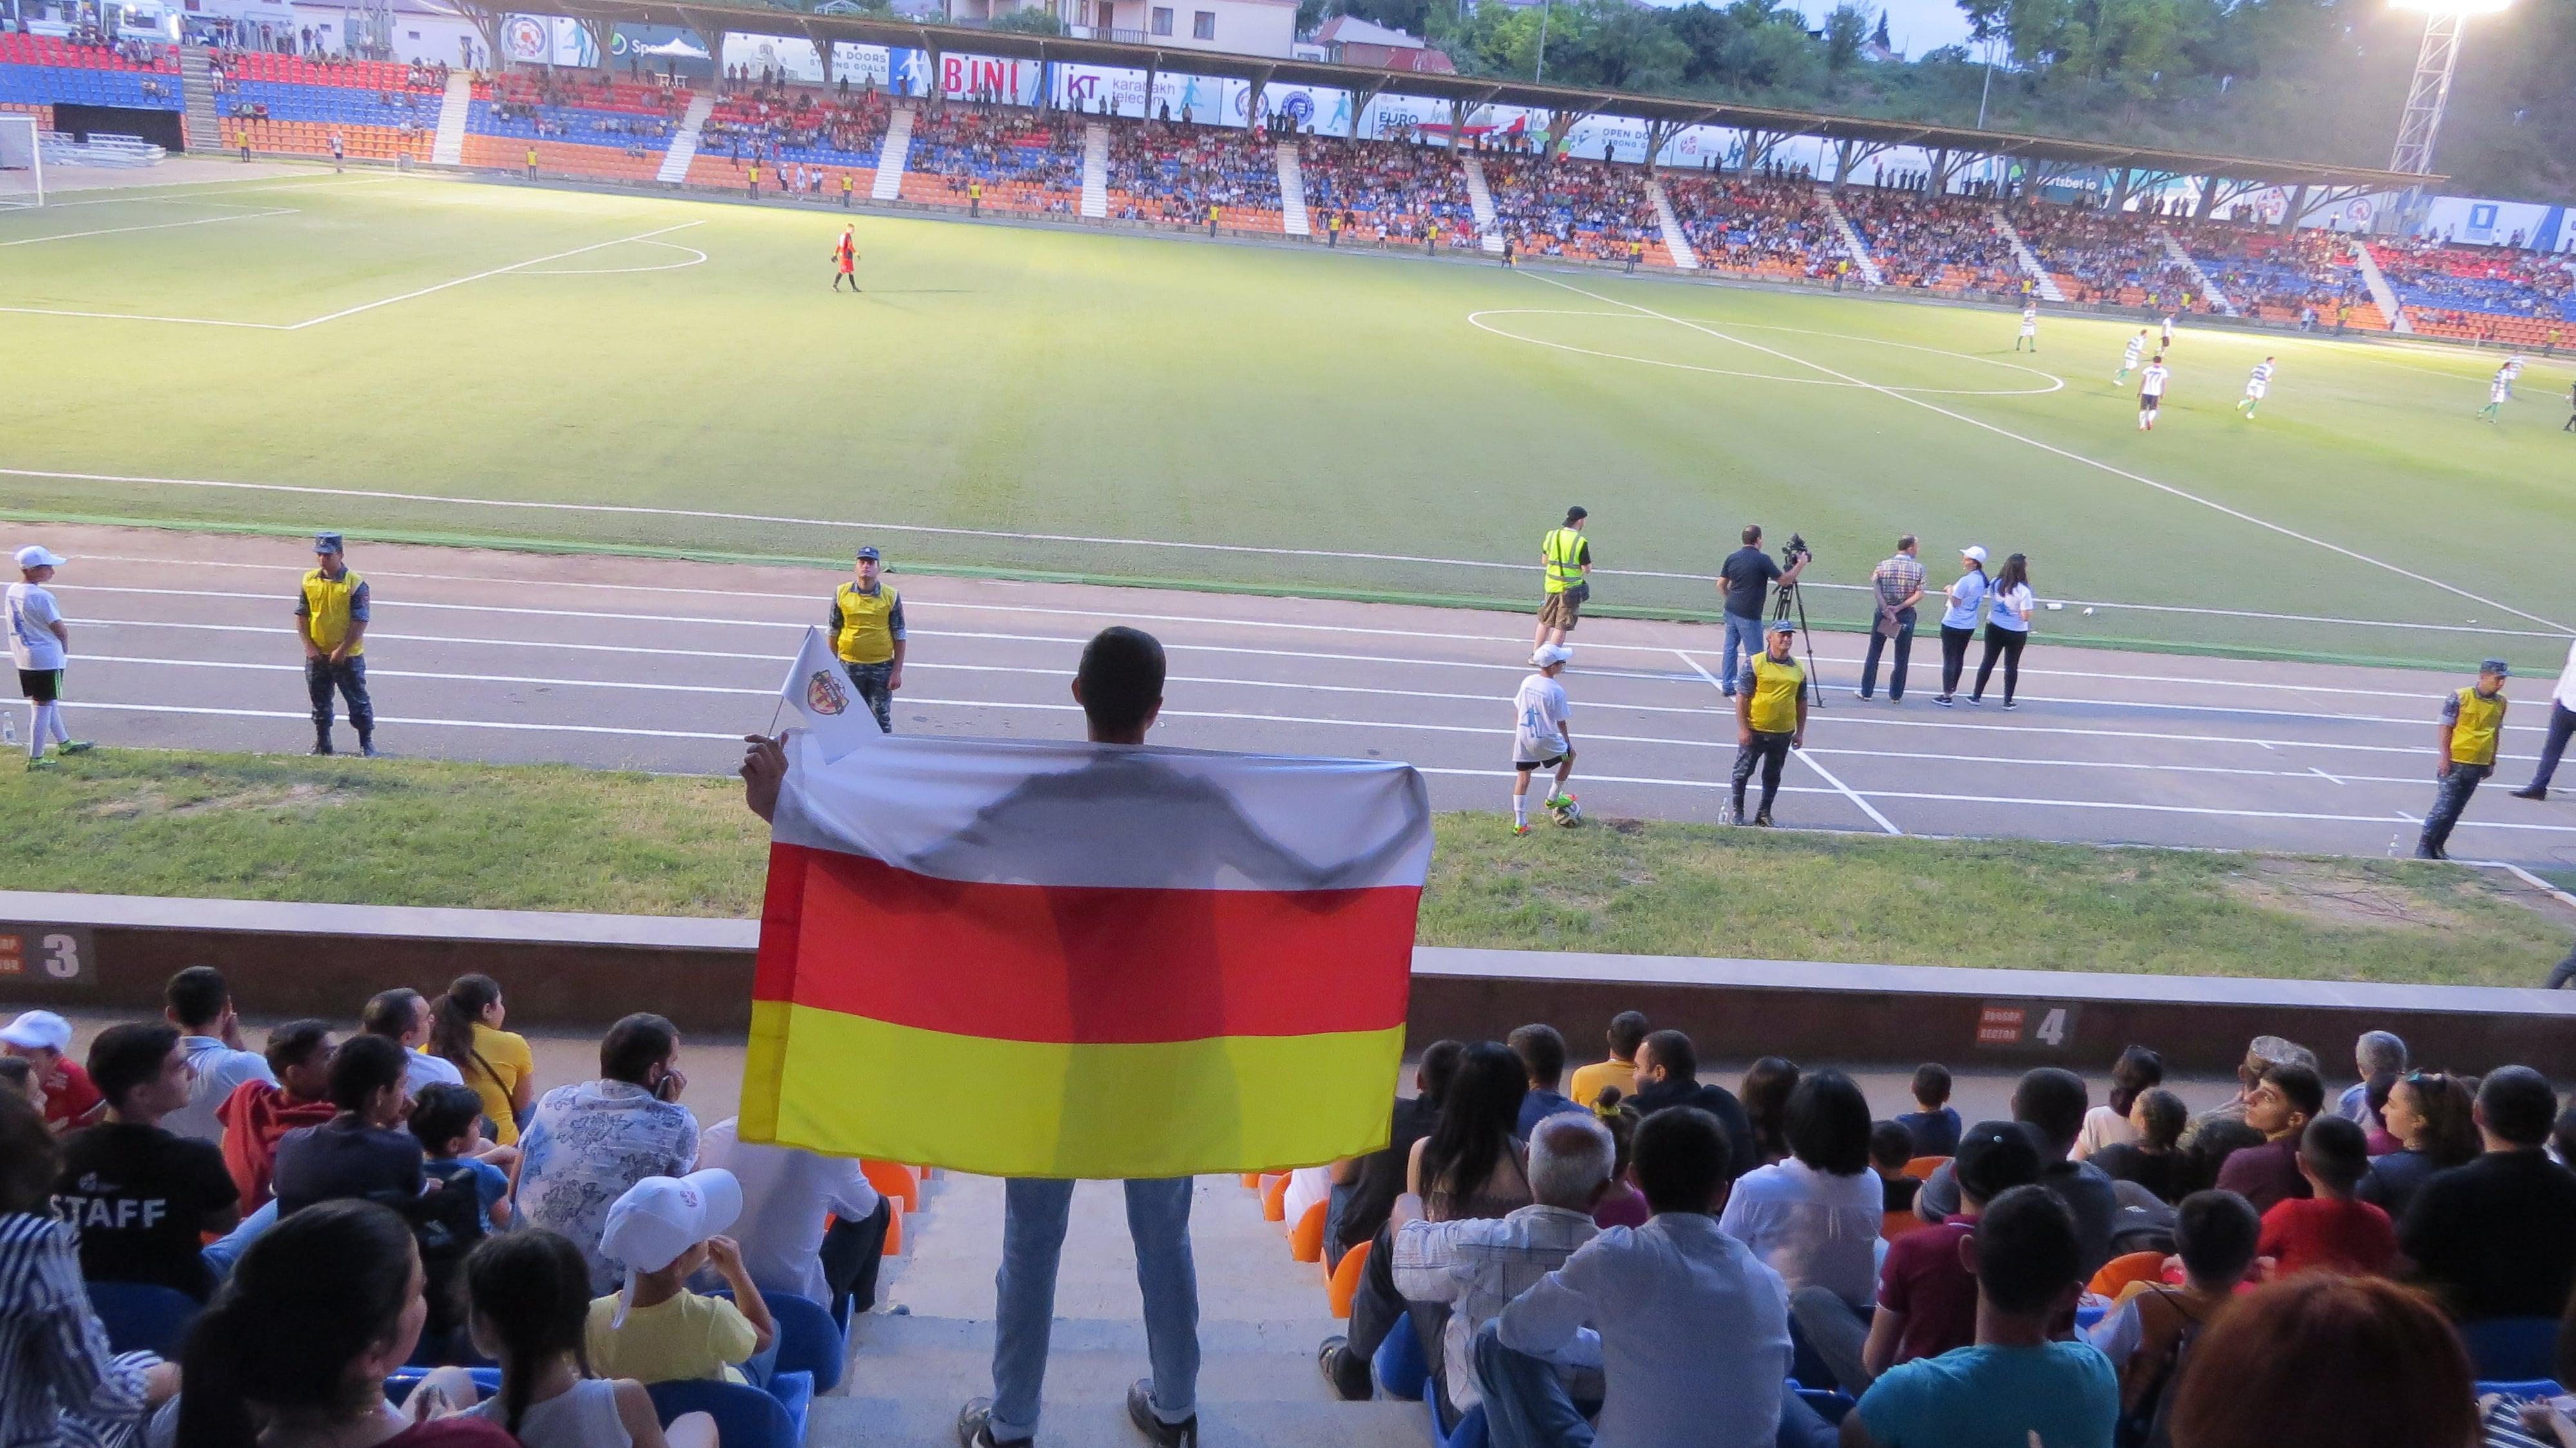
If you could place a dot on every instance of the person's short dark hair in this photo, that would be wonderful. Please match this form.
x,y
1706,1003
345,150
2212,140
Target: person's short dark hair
x,y
2300,1086
2137,1069
363,1066
2515,1103
129,1055
2166,1117
2051,1100
1891,1146
1904,541
2027,1255
2335,1148
19,1073
1440,1067
1680,1160
635,1045
196,996
1931,1085
1826,1123
392,1013
30,1158
1752,534
1627,1033
2211,1146
442,1112
1992,1158
2215,1233
1541,1050
293,1043
2374,1094
1122,678
1672,1051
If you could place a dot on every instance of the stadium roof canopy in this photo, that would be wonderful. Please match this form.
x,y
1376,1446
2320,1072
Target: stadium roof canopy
x,y
1473,90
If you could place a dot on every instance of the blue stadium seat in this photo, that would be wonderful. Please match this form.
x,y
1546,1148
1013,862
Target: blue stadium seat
x,y
1831,1406
1401,1370
1470,1432
745,1417
143,1316
809,1341
487,1381
2522,1389
2509,1348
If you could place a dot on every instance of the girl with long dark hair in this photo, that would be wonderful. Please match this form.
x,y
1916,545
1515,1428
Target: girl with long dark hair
x,y
1765,1094
531,1312
2431,1115
465,1028
2137,1070
1472,1165
2007,628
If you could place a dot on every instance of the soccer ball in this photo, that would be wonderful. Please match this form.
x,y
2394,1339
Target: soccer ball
x,y
1568,814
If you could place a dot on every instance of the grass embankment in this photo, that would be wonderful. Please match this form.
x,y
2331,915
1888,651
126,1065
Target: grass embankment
x,y
417,832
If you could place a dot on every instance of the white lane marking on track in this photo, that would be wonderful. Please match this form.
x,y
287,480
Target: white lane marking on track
x,y
154,226
479,276
1476,320
733,736
1822,773
2076,457
2321,774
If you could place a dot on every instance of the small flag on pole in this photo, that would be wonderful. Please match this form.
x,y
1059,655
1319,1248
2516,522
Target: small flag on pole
x,y
1084,960
827,707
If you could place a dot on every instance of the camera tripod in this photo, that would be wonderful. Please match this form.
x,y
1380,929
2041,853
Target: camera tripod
x,y
1785,600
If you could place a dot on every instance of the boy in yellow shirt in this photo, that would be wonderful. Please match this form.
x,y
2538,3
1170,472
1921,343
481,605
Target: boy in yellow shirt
x,y
656,1330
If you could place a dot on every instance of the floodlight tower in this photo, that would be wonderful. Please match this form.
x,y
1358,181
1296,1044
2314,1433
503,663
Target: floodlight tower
x,y
2434,65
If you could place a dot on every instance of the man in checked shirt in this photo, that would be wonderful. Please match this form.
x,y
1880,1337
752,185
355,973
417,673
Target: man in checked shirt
x,y
1474,1267
1899,582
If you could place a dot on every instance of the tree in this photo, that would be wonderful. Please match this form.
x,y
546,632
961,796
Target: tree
x,y
1845,28
1030,20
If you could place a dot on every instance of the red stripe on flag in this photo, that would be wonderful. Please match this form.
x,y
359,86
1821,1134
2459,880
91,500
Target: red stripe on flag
x,y
1080,964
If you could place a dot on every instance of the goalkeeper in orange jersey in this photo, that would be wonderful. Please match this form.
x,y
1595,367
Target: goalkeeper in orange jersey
x,y
845,261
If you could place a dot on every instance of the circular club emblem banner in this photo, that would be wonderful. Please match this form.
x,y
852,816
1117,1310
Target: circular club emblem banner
x,y
526,38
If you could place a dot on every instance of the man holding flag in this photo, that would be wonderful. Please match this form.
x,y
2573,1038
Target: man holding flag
x,y
1127,962
866,626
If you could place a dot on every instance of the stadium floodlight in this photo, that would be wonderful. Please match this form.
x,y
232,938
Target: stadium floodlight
x,y
2435,63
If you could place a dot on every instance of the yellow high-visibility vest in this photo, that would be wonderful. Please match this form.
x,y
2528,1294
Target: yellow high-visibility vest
x,y
2473,734
1563,550
326,606
866,635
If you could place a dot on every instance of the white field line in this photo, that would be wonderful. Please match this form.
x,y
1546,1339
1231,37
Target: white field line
x,y
493,272
144,317
1822,773
1476,320
729,737
2074,457
1342,555
245,188
153,226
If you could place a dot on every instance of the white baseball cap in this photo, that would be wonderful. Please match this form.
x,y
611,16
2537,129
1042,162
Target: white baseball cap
x,y
38,1031
1973,551
37,555
661,1217
1551,654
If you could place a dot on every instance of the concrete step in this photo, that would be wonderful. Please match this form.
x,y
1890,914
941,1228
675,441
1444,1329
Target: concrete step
x,y
1095,170
929,1347
1292,193
447,148
892,153
1669,223
203,125
2044,284
1853,246
1480,200
683,149
2191,264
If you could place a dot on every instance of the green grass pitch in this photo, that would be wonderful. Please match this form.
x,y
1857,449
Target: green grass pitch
x,y
484,343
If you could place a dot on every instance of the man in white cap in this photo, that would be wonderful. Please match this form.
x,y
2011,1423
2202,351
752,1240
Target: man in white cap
x,y
1542,733
40,1038
655,1329
39,642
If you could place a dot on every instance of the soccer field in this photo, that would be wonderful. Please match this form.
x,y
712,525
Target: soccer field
x,y
439,359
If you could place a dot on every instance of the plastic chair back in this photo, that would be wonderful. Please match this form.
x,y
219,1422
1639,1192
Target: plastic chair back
x,y
1831,1406
2120,1271
1892,1225
808,1340
1401,1369
143,1316
1274,1198
894,1180
1345,1282
1470,1431
745,1417
2507,1348
1306,1239
2524,1390
1922,1167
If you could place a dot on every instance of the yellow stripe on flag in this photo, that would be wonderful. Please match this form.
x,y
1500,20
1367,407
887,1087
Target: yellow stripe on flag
x,y
850,1086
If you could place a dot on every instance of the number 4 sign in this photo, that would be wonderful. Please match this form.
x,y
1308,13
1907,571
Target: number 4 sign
x,y
2025,1026
45,955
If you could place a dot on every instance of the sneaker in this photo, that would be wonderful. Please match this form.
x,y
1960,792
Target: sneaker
x,y
1977,699
1860,693
38,761
367,748
324,748
1519,829
1941,699
2534,792
975,1427
1762,819
2009,706
1329,1359
76,746
1140,1411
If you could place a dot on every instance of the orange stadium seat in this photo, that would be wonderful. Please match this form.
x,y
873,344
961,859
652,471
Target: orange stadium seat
x,y
1306,1239
1344,1284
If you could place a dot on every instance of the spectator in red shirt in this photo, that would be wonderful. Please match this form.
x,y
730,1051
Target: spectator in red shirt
x,y
257,1115
2329,1230
2283,1103
40,1038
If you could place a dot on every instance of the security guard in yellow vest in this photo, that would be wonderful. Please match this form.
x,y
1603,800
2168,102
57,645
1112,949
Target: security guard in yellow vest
x,y
1567,555
866,625
2472,720
331,619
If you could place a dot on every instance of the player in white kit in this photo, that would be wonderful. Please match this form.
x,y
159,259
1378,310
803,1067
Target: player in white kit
x,y
2151,392
2255,386
1542,734
2029,327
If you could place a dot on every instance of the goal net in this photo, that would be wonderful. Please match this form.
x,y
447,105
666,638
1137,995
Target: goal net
x,y
22,163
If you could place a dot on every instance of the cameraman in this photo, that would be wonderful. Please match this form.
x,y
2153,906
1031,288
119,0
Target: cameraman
x,y
1747,576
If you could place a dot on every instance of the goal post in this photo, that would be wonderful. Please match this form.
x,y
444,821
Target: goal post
x,y
22,162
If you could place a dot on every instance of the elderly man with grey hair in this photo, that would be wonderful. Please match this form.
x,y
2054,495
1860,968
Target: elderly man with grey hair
x,y
2375,1052
2262,1055
1476,1267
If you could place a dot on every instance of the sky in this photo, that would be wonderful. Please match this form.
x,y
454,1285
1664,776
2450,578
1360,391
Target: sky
x,y
1915,25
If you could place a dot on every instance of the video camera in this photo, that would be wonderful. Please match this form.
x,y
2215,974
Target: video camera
x,y
1796,551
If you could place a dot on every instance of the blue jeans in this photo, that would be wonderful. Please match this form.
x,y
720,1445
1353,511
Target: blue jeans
x,y
1033,1220
1746,632
224,1251
1527,1406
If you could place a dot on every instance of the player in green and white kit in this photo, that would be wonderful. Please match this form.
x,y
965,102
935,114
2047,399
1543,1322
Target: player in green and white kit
x,y
2130,354
2497,391
2255,387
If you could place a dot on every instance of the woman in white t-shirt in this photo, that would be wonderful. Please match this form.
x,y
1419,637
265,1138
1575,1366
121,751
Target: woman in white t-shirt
x,y
2007,628
1815,1218
2138,1071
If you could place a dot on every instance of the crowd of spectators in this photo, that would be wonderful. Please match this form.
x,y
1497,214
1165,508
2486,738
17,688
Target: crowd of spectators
x,y
768,124
1945,242
1383,190
1775,226
1191,174
1034,158
1562,206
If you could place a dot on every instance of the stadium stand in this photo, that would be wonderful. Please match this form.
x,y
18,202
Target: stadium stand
x,y
1586,210
1385,190
1933,243
2479,293
1020,160
1174,173
1755,227
44,70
